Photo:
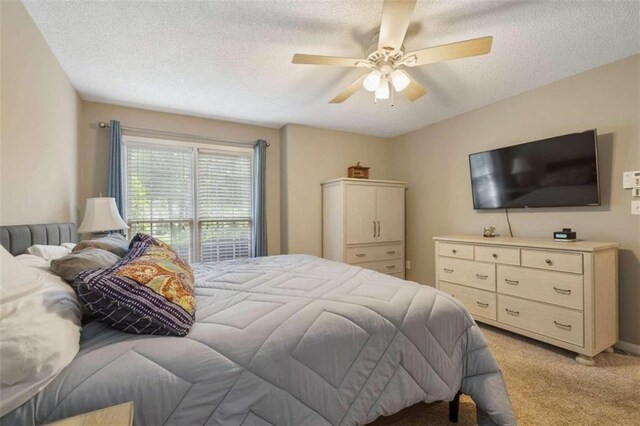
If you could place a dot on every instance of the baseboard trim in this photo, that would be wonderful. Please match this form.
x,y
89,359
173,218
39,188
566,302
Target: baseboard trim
x,y
628,347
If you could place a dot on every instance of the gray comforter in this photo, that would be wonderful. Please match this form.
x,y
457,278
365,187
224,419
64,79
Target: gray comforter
x,y
285,340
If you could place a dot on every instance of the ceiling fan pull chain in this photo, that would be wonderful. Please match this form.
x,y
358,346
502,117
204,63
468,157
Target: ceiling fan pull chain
x,y
392,95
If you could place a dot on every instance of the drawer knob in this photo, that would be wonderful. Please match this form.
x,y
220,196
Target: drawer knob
x,y
562,290
448,271
562,326
495,255
454,251
482,277
391,266
548,261
360,254
482,305
391,252
514,313
512,282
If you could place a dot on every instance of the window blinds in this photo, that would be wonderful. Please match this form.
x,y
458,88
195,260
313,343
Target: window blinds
x,y
191,199
159,194
224,205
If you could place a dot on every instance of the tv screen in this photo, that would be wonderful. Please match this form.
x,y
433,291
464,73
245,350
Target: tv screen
x,y
555,172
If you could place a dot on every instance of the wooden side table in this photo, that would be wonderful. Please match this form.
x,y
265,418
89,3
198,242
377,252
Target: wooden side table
x,y
117,415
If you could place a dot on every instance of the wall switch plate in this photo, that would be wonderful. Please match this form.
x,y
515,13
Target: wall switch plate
x,y
635,192
631,179
407,264
635,207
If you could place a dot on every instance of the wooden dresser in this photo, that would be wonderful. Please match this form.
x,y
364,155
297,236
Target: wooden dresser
x,y
363,223
562,293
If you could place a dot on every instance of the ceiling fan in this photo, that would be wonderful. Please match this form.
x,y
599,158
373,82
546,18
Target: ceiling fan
x,y
388,56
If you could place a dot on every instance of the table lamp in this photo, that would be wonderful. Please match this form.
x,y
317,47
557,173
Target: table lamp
x,y
100,217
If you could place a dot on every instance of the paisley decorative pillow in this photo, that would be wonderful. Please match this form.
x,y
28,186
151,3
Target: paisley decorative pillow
x,y
150,291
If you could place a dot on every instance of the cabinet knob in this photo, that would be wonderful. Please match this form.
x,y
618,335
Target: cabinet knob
x,y
448,271
360,254
562,290
454,251
391,266
548,261
482,305
391,252
495,256
514,313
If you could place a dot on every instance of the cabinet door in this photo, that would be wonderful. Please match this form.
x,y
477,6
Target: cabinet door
x,y
390,213
361,214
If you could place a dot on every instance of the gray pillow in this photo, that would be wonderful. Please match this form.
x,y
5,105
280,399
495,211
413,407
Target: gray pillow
x,y
114,243
69,266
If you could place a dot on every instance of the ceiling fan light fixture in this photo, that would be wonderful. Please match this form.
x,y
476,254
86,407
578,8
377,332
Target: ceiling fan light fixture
x,y
400,80
382,92
372,81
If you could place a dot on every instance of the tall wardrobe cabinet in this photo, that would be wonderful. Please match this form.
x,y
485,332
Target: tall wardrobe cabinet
x,y
363,223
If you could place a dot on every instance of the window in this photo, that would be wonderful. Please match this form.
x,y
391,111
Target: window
x,y
195,197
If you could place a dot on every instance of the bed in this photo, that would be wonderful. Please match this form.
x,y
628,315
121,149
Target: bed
x,y
280,340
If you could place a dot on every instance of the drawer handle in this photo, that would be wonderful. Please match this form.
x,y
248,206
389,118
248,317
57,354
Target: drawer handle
x,y
562,290
391,252
514,313
512,282
482,305
448,271
548,261
360,254
454,251
391,266
495,255
482,277
562,326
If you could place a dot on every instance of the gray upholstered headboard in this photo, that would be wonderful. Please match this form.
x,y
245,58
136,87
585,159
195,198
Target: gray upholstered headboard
x,y
18,238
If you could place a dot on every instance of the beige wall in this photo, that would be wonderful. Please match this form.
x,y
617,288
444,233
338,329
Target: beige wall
x,y
434,162
94,150
310,156
39,123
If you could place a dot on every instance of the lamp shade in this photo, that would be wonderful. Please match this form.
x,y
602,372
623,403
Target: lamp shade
x,y
100,215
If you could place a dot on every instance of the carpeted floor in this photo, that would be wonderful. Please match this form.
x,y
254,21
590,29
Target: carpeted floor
x,y
547,387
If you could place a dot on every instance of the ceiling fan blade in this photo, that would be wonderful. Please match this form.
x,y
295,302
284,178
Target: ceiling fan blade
x,y
414,90
349,91
300,58
396,15
445,52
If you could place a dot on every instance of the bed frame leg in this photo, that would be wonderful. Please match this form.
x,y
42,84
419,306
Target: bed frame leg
x,y
454,407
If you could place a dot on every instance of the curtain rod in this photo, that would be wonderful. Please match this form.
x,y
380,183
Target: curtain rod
x,y
104,125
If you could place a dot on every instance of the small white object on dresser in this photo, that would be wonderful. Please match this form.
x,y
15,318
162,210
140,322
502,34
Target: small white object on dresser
x,y
565,294
363,223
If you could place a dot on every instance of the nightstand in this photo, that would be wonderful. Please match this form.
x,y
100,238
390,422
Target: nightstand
x,y
117,415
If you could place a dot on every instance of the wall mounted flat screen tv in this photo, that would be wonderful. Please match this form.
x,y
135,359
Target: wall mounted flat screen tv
x,y
555,172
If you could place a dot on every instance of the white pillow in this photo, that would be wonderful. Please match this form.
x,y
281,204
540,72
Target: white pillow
x,y
39,331
70,246
17,281
48,252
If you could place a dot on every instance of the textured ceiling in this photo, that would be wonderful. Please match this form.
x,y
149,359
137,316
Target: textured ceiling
x,y
232,59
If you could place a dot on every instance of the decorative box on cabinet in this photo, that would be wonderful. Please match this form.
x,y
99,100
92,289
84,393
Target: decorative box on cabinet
x,y
363,223
562,293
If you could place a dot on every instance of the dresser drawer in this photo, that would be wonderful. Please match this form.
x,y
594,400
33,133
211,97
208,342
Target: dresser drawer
x,y
552,260
558,288
509,256
373,253
551,321
461,251
467,272
479,302
385,266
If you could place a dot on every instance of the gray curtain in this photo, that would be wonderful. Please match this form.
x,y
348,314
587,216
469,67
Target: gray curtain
x,y
114,188
259,203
